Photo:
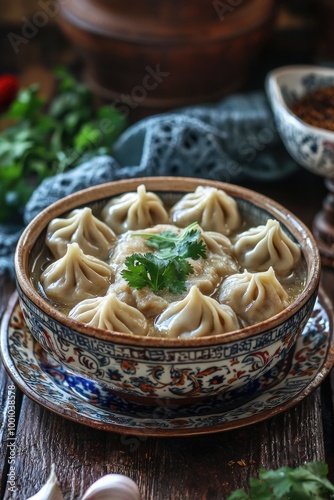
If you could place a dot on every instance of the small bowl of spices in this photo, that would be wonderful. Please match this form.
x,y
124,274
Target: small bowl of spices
x,y
302,100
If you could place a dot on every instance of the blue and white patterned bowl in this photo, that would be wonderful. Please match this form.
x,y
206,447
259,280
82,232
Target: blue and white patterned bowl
x,y
150,369
310,146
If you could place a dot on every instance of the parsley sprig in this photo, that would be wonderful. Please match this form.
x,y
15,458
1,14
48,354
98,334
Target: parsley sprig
x,y
170,244
167,268
156,273
304,482
39,139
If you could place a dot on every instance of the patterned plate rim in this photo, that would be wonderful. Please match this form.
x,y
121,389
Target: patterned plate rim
x,y
264,414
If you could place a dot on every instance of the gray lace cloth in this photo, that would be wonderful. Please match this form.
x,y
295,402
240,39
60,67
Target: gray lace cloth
x,y
231,141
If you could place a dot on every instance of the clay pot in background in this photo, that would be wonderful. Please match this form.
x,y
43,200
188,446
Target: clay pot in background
x,y
158,54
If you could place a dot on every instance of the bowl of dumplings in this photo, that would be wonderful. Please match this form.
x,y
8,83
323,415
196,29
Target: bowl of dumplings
x,y
167,288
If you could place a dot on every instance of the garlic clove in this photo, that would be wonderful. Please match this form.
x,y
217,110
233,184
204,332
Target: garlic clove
x,y
50,490
113,487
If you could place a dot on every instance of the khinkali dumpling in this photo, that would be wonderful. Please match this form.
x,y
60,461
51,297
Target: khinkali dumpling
x,y
145,300
111,314
80,226
217,243
212,208
196,316
254,297
75,277
264,246
137,210
208,273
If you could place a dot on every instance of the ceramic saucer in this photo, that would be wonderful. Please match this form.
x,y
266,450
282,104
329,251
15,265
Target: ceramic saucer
x,y
42,379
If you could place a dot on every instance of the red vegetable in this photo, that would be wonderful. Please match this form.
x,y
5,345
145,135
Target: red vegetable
x,y
9,86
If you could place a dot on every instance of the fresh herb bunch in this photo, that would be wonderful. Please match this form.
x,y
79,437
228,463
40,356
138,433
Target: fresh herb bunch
x,y
38,140
303,483
168,267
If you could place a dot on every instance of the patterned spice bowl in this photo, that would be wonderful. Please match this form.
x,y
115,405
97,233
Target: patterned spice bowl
x,y
307,139
167,289
302,100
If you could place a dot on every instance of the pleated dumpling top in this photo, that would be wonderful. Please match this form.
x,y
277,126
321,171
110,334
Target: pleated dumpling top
x,y
75,277
136,210
254,297
266,246
212,208
111,314
93,236
197,315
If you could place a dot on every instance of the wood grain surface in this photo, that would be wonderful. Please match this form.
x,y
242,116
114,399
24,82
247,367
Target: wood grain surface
x,y
200,467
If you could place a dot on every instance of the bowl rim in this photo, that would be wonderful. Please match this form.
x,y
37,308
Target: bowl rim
x,y
164,184
275,95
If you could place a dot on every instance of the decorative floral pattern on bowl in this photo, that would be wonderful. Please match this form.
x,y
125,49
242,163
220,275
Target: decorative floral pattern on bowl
x,y
152,368
168,372
88,402
311,147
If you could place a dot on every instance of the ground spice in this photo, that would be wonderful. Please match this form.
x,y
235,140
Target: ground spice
x,y
316,108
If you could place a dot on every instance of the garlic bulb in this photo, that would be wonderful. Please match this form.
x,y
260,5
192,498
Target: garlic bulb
x,y
50,490
113,487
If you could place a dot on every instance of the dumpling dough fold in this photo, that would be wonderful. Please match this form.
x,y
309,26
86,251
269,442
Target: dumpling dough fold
x,y
254,297
93,236
196,316
262,247
111,314
212,208
76,277
138,210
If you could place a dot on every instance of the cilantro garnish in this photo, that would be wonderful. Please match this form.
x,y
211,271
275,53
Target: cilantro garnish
x,y
172,245
156,273
305,482
40,139
167,268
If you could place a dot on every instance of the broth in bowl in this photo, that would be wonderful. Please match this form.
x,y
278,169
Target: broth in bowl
x,y
128,305
141,265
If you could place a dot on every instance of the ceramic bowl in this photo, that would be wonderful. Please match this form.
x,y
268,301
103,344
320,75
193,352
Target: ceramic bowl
x,y
311,147
152,370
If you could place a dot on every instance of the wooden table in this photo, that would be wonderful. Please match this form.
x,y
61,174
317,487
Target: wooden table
x,y
198,467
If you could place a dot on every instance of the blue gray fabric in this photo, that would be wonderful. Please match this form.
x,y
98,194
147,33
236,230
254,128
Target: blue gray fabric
x,y
9,236
231,141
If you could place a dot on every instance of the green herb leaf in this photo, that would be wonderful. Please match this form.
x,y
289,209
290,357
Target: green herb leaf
x,y
27,104
168,267
238,495
303,483
156,273
89,137
39,140
170,245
